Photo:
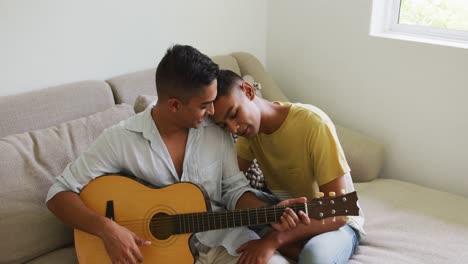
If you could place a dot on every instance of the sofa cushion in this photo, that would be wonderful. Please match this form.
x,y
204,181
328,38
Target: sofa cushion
x,y
52,106
128,86
407,223
364,155
227,62
143,101
250,65
29,162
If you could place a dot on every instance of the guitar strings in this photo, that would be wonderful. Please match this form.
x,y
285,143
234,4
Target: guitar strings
x,y
191,226
171,220
271,211
191,221
236,213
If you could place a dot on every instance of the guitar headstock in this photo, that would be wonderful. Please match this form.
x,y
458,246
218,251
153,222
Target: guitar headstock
x,y
343,205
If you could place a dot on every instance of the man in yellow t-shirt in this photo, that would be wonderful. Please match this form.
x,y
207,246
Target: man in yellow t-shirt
x,y
297,149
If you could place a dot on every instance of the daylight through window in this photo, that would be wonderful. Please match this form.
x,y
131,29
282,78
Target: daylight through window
x,y
444,14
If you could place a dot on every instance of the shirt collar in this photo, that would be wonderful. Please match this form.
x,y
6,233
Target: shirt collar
x,y
143,123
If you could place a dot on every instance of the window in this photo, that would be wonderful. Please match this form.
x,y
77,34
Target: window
x,y
443,22
445,14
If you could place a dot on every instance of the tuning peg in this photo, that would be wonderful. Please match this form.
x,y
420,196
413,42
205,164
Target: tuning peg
x,y
323,221
319,195
343,191
334,219
332,194
345,218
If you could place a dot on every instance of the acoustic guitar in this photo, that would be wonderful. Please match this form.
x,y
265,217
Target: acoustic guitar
x,y
169,216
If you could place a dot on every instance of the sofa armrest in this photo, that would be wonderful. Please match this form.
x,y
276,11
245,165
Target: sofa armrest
x,y
250,65
364,154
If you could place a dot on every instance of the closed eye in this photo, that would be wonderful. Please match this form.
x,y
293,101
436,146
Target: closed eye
x,y
235,114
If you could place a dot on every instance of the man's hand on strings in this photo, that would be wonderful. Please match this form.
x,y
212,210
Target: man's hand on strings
x,y
289,219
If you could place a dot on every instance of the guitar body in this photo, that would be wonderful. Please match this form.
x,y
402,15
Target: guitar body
x,y
134,204
169,216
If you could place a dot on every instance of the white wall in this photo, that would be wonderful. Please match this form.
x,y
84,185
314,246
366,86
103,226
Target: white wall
x,y
51,42
411,96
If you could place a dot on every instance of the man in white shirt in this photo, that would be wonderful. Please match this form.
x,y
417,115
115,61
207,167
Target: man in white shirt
x,y
166,144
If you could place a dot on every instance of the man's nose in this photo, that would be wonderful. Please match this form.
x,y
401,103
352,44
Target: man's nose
x,y
232,126
210,110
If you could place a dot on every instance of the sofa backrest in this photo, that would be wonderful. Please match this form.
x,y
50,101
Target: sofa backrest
x,y
250,65
30,158
40,133
52,106
29,162
128,87
364,154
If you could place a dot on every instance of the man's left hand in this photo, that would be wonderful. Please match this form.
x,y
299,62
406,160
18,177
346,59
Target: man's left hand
x,y
289,219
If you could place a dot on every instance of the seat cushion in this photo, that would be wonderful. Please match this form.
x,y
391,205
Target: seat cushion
x,y
59,256
407,223
29,162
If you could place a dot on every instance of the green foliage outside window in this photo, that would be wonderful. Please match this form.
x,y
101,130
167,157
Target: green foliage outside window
x,y
446,14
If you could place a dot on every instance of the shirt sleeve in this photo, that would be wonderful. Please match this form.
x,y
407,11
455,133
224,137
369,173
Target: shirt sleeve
x,y
327,155
234,183
243,149
99,159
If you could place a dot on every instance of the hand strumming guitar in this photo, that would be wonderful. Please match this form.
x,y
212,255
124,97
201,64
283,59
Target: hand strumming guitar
x,y
122,244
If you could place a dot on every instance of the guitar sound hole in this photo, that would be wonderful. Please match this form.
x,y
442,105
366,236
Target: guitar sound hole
x,y
162,226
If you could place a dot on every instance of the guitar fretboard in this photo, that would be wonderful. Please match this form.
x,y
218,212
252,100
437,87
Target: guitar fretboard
x,y
163,225
200,222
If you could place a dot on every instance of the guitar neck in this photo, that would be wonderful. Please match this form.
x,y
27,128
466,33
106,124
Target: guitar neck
x,y
200,222
319,209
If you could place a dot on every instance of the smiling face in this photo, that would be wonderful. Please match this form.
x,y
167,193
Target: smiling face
x,y
198,107
237,112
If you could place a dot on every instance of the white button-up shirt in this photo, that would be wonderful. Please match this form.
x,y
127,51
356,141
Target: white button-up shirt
x,y
135,147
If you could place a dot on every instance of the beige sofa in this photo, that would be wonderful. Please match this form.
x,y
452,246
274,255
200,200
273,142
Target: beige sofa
x,y
41,131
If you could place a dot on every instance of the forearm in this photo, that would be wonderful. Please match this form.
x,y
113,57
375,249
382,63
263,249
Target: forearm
x,y
68,207
249,200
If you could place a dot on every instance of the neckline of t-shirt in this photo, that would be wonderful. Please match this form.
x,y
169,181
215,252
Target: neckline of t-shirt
x,y
286,120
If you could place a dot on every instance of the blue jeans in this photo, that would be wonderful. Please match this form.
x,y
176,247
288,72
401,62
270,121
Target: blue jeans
x,y
331,247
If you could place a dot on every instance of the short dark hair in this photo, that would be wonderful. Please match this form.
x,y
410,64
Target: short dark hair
x,y
183,71
226,81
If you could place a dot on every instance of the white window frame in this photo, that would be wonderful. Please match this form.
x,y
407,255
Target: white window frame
x,y
384,23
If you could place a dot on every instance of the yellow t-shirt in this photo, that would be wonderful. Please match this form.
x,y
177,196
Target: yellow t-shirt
x,y
301,155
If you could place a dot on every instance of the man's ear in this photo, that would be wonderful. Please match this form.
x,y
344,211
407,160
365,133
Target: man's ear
x,y
248,90
174,104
